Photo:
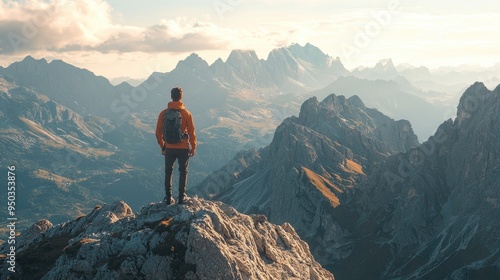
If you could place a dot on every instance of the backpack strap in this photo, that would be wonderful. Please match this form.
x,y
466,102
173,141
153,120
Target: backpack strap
x,y
164,127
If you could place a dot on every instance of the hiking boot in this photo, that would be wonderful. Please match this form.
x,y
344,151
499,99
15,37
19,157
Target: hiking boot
x,y
183,199
169,201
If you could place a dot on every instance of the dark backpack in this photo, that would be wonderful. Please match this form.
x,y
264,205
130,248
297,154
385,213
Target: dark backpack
x,y
172,126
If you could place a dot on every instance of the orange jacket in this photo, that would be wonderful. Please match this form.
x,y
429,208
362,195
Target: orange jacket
x,y
187,127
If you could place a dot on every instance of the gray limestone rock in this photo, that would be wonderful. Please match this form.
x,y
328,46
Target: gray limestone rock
x,y
311,168
198,240
433,212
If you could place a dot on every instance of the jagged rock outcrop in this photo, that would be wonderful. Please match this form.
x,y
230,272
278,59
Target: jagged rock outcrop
x,y
427,212
302,66
364,130
395,99
383,70
433,212
311,168
198,240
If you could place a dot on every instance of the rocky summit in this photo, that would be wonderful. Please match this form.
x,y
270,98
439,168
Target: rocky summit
x,y
370,201
198,240
311,169
433,212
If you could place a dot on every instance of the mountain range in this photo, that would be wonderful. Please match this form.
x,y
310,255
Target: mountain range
x,y
80,141
229,110
69,161
353,181
436,207
400,210
312,167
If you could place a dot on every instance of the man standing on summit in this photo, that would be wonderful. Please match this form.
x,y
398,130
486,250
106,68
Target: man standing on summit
x,y
177,138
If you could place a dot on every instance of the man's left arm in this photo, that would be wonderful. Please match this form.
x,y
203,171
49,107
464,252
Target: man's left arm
x,y
192,135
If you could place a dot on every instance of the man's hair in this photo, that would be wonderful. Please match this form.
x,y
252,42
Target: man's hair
x,y
176,93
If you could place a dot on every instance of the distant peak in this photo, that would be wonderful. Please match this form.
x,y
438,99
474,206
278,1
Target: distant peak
x,y
58,61
279,52
61,63
479,85
333,101
385,65
242,55
386,61
307,48
193,61
218,64
29,58
309,109
218,61
356,102
473,98
476,88
193,56
312,100
124,84
243,52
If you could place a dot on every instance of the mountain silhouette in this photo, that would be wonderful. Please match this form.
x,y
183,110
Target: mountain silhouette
x,y
403,210
433,211
391,98
69,161
76,88
311,168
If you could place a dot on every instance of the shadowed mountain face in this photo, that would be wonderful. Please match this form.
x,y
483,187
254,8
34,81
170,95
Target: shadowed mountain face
x,y
434,211
380,208
314,140
312,167
199,240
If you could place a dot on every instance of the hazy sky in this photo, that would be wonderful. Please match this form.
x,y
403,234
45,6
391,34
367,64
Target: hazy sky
x,y
134,38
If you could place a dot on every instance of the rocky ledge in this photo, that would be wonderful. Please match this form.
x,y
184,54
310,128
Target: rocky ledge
x,y
198,240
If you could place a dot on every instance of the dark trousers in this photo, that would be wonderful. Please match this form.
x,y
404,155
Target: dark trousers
x,y
183,160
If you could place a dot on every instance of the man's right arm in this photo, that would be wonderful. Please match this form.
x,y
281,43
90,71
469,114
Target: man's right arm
x,y
159,130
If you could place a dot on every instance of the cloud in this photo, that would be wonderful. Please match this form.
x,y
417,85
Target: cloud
x,y
63,25
36,25
168,36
